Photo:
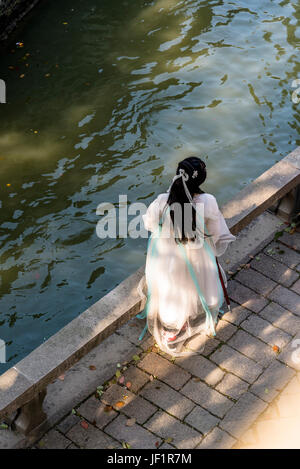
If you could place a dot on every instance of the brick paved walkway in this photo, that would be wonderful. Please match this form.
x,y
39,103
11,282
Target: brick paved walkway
x,y
242,391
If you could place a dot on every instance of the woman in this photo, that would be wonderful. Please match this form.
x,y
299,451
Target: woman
x,y
184,281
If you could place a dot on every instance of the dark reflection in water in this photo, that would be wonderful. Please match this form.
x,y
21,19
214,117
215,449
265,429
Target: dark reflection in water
x,y
104,99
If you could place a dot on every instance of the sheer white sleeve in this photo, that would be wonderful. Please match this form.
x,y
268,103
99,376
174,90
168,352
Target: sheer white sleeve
x,y
216,225
151,217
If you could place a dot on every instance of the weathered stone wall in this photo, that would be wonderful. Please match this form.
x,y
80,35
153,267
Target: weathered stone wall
x,y
11,13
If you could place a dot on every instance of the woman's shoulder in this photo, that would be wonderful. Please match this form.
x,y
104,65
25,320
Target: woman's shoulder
x,y
205,197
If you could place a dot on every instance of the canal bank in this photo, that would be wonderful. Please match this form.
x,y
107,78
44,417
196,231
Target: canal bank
x,y
80,360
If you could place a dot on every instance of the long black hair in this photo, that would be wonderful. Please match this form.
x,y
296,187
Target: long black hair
x,y
195,169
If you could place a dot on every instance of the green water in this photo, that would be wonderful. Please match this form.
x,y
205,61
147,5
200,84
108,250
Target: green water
x,y
134,87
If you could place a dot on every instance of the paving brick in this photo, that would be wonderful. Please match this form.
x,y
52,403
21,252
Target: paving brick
x,y
293,387
201,420
167,398
236,363
291,353
246,297
203,344
255,280
275,270
165,426
296,287
91,438
136,436
67,423
53,440
225,330
265,331
283,254
241,416
166,446
164,370
281,318
237,314
72,446
134,406
273,380
217,439
136,377
95,412
207,397
286,298
232,386
251,347
291,240
202,368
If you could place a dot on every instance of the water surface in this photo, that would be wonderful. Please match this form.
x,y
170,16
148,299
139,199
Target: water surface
x,y
104,99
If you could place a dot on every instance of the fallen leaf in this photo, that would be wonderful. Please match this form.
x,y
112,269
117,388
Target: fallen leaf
x,y
119,404
118,374
73,412
266,391
61,377
22,76
84,424
108,408
230,272
247,266
130,422
3,426
126,445
136,358
119,365
8,185
168,440
128,384
157,444
92,367
48,75
276,349
121,380
151,378
197,380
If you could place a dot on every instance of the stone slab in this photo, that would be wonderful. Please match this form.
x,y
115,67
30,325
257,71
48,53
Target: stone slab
x,y
136,436
207,398
286,298
274,269
265,331
201,420
167,372
167,399
165,426
241,416
202,368
246,297
281,318
252,347
233,361
272,381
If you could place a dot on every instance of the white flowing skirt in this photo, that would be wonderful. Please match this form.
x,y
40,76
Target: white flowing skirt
x,y
174,303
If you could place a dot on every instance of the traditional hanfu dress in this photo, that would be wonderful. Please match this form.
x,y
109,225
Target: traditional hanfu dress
x,y
184,290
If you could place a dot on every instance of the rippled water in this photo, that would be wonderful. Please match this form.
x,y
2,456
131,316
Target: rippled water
x,y
114,95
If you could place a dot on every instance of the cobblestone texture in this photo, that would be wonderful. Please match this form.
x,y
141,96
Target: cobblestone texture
x,y
231,391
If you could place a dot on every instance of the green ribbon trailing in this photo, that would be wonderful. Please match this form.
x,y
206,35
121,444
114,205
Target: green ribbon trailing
x,y
153,253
